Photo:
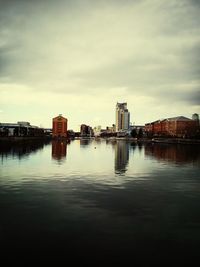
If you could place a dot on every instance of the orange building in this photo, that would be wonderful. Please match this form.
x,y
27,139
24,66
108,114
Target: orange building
x,y
59,126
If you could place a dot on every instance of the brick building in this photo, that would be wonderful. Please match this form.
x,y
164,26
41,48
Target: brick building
x,y
59,126
177,126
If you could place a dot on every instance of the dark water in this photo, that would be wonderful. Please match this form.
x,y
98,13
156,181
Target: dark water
x,y
101,201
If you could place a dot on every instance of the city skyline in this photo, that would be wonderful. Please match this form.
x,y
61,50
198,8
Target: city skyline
x,y
79,58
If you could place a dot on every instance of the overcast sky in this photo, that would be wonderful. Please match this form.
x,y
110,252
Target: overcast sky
x,y
79,58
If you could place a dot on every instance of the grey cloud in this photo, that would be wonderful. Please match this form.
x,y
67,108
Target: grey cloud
x,y
193,97
179,17
171,95
196,3
34,32
146,71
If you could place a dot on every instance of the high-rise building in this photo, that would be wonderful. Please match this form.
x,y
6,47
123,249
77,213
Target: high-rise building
x,y
59,126
122,117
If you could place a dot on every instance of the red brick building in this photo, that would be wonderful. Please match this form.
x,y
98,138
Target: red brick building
x,y
59,126
177,126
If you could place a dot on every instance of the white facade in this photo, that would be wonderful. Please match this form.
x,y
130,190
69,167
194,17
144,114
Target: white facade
x,y
122,117
126,120
97,130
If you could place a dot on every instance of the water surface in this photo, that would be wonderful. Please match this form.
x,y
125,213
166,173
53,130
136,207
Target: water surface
x,y
105,199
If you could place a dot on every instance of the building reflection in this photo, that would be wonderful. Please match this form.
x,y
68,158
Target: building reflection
x,y
85,142
121,157
179,154
59,150
21,149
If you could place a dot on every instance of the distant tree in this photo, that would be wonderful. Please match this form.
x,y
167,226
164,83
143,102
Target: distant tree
x,y
134,133
5,131
16,131
140,133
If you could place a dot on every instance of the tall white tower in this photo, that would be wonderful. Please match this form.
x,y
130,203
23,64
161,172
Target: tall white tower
x,y
122,117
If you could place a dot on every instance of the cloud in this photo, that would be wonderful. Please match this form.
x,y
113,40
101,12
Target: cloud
x,y
91,49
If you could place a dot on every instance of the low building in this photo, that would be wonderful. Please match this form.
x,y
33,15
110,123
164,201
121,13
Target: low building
x,y
108,132
48,131
20,129
177,126
97,130
111,129
86,131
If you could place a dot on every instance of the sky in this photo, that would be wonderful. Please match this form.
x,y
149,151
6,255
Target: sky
x,y
79,58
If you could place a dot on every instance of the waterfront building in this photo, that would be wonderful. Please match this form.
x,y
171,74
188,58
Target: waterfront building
x,y
111,129
48,131
59,126
177,126
86,131
21,128
97,130
108,132
122,117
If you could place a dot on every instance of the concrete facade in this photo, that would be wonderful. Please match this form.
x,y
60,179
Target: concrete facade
x,y
122,117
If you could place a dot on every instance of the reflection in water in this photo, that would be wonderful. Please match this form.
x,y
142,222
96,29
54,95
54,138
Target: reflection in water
x,y
85,142
121,156
140,146
21,150
111,142
174,153
59,150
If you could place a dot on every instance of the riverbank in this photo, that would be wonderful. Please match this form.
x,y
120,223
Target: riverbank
x,y
176,141
30,139
158,140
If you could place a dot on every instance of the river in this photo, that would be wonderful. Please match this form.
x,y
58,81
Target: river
x,y
104,200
